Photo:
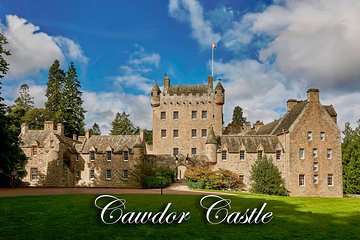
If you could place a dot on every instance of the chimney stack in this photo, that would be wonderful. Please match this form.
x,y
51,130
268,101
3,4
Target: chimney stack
x,y
313,95
291,103
210,82
166,84
24,128
87,133
60,129
48,126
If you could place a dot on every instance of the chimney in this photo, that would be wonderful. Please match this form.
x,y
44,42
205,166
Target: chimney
x,y
24,128
313,95
48,126
291,103
87,133
210,82
258,124
74,137
166,84
142,135
60,129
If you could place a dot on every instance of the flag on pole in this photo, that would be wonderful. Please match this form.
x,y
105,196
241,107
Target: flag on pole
x,y
213,45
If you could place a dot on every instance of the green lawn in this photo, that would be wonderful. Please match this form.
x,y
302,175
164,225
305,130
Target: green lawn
x,y
76,217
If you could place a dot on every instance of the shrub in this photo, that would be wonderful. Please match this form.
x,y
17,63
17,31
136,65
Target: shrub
x,y
265,178
205,178
156,182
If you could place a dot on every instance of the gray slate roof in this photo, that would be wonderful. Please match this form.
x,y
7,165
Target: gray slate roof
x,y
39,136
251,143
189,89
117,142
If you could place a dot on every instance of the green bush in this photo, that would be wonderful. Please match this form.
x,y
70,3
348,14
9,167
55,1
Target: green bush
x,y
205,178
156,182
266,178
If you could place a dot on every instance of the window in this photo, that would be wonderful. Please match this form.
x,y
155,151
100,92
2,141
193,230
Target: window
x,y
163,133
78,175
92,174
278,154
175,151
193,151
92,156
193,114
330,180
329,153
193,133
316,166
126,156
260,154
242,155
34,173
309,136
302,153
223,155
108,174
301,180
322,136
204,114
241,177
108,155
175,133
163,115
316,179
314,152
125,174
203,132
176,115
34,150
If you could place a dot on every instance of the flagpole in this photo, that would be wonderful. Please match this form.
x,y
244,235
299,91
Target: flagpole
x,y
212,61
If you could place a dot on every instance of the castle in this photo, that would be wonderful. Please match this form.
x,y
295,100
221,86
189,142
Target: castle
x,y
304,144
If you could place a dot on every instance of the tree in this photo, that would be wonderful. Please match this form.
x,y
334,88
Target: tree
x,y
71,104
22,105
36,117
237,123
266,178
351,159
12,158
122,125
148,134
53,91
96,129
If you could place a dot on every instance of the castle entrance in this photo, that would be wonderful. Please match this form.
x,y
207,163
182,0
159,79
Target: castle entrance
x,y
180,172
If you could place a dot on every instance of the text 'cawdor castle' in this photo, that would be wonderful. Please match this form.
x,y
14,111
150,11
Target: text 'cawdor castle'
x,y
187,131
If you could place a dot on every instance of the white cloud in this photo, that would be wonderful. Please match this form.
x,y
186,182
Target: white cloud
x,y
102,107
192,12
32,50
312,40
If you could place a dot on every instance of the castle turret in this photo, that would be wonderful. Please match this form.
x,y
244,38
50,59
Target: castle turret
x,y
155,95
166,84
219,94
210,146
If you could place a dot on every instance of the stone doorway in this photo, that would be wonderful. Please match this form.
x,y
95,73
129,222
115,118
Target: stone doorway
x,y
180,172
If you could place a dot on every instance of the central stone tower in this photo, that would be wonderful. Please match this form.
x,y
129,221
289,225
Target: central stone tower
x,y
182,116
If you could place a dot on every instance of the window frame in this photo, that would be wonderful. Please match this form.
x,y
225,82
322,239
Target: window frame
x,y
34,150
177,133
126,156
176,113
91,174
125,176
278,155
163,133
224,155
108,154
329,153
315,152
322,136
176,150
316,166
34,174
193,151
330,177
204,112
260,154
301,180
194,115
108,174
242,155
309,136
204,130
192,133
316,179
163,115
301,153
92,156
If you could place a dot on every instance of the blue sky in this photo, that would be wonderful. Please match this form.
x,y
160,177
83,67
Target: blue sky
x,y
267,52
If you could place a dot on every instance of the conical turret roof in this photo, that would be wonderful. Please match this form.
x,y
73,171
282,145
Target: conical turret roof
x,y
155,88
211,138
219,86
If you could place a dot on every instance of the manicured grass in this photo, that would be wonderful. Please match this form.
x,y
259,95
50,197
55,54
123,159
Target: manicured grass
x,y
75,217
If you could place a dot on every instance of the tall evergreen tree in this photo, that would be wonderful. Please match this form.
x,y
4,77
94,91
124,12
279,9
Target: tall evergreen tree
x,y
22,105
351,159
54,90
12,158
71,104
96,129
237,123
36,117
122,125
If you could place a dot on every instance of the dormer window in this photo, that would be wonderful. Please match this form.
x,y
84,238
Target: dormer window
x,y
92,155
278,155
34,151
126,155
108,155
242,155
223,155
260,154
